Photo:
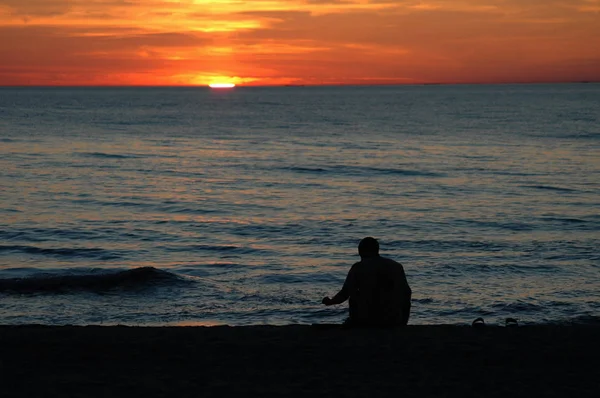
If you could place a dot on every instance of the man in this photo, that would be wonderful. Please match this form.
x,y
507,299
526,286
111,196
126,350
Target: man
x,y
377,288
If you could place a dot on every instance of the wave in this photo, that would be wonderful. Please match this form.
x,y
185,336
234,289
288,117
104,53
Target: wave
x,y
167,206
306,169
517,307
581,135
213,248
92,252
577,320
141,277
11,210
449,245
585,320
361,170
37,234
550,188
564,220
423,300
506,225
103,155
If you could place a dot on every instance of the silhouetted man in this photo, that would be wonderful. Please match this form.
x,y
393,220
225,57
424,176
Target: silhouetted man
x,y
377,288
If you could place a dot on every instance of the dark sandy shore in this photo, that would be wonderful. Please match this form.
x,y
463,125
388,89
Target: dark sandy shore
x,y
299,361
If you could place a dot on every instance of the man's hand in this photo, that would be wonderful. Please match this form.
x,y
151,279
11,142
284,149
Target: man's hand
x,y
327,301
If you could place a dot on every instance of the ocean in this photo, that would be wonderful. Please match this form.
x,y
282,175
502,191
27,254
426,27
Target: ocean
x,y
192,206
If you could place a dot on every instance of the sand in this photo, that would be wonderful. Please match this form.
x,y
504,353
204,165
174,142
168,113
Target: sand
x,y
299,361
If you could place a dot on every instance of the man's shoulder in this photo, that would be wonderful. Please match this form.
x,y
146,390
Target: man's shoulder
x,y
389,261
375,261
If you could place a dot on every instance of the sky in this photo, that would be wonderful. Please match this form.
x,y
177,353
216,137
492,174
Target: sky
x,y
305,42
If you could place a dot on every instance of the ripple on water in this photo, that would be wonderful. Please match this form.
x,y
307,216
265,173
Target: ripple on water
x,y
72,252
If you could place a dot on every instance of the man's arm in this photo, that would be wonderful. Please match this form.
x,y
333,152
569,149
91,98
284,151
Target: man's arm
x,y
339,298
344,293
406,295
407,291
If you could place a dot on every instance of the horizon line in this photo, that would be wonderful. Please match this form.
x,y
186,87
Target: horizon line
x,y
295,85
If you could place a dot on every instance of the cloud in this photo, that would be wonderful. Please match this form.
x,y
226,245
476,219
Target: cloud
x,y
36,7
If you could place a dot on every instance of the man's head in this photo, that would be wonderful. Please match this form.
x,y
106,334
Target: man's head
x,y
368,247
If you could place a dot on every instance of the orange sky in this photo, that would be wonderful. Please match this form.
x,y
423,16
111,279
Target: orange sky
x,y
266,42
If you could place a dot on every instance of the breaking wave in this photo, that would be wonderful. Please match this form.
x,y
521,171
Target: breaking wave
x,y
135,278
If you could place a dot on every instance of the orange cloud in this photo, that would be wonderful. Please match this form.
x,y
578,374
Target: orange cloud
x,y
169,42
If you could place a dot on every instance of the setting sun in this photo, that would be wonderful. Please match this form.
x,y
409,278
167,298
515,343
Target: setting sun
x,y
221,85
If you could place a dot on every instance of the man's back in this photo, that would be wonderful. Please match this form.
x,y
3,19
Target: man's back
x,y
377,289
379,292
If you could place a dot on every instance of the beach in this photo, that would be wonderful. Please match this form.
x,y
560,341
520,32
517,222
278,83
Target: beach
x,y
299,361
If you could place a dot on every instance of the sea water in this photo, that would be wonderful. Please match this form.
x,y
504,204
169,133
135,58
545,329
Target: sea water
x,y
178,206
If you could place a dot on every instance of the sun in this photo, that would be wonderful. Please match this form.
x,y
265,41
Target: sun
x,y
221,85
